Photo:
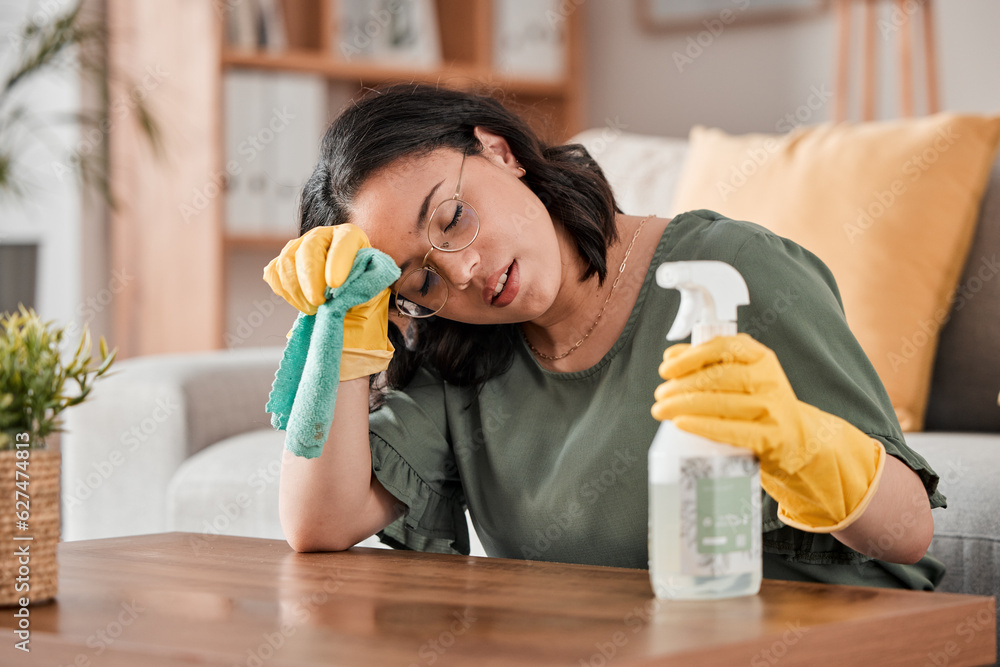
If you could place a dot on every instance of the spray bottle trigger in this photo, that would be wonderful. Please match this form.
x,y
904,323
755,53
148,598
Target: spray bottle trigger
x,y
686,313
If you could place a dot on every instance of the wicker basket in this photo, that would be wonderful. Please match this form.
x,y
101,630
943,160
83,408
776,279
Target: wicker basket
x,y
43,526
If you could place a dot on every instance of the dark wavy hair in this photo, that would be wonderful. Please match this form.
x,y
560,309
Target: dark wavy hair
x,y
412,120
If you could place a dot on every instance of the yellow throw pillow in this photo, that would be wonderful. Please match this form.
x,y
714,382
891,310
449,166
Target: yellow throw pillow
x,y
890,207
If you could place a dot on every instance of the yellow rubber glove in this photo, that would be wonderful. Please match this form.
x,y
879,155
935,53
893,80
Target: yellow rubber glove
x,y
323,257
821,469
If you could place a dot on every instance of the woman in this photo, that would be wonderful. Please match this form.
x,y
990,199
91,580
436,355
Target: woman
x,y
522,388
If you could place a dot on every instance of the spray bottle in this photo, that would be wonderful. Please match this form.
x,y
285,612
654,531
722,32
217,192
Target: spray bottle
x,y
704,496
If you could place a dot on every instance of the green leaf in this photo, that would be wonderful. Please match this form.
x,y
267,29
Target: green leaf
x,y
33,381
107,362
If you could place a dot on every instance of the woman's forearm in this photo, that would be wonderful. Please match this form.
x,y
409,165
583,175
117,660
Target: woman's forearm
x,y
897,525
330,502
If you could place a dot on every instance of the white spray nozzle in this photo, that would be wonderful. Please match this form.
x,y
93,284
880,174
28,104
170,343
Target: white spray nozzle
x,y
710,292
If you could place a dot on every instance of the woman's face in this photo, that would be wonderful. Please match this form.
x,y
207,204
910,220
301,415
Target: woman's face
x,y
517,237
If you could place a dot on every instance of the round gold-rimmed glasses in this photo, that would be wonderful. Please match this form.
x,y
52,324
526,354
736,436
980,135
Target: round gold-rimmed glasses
x,y
452,226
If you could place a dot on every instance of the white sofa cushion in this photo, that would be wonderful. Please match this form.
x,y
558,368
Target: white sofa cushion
x,y
642,170
229,488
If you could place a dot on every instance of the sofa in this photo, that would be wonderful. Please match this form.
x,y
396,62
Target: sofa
x,y
182,443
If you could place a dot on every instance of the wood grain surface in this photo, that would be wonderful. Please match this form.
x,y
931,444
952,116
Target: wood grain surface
x,y
184,598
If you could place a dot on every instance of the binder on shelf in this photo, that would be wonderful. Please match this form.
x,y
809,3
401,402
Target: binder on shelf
x,y
272,21
529,39
257,25
245,193
351,42
299,111
402,33
241,25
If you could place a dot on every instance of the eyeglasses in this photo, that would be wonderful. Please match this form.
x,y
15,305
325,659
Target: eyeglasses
x,y
452,226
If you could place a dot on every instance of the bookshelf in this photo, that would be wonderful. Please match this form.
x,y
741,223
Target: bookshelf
x,y
221,287
466,30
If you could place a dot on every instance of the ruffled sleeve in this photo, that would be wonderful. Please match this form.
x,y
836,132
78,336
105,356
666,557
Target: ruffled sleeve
x,y
413,459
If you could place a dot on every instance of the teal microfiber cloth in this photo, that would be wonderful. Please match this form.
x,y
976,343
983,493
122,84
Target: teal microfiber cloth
x,y
304,391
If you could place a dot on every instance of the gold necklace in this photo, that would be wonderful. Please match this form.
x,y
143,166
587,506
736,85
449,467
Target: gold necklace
x,y
621,270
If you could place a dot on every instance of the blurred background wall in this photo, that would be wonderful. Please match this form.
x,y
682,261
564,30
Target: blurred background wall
x,y
749,78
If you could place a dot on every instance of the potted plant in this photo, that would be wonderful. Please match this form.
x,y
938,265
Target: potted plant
x,y
37,383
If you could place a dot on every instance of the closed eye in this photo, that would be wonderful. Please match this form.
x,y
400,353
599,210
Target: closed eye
x,y
458,215
426,286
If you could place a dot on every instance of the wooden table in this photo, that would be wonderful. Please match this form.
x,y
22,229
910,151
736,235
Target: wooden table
x,y
181,598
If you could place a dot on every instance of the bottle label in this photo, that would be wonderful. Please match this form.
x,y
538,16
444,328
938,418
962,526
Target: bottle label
x,y
723,514
720,515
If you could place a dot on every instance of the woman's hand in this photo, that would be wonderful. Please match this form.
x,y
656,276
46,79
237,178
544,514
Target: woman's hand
x,y
821,469
321,258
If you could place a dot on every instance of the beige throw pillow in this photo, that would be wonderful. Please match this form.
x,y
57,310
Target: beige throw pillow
x,y
890,207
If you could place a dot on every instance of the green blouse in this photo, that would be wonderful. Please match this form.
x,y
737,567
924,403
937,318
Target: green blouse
x,y
552,466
